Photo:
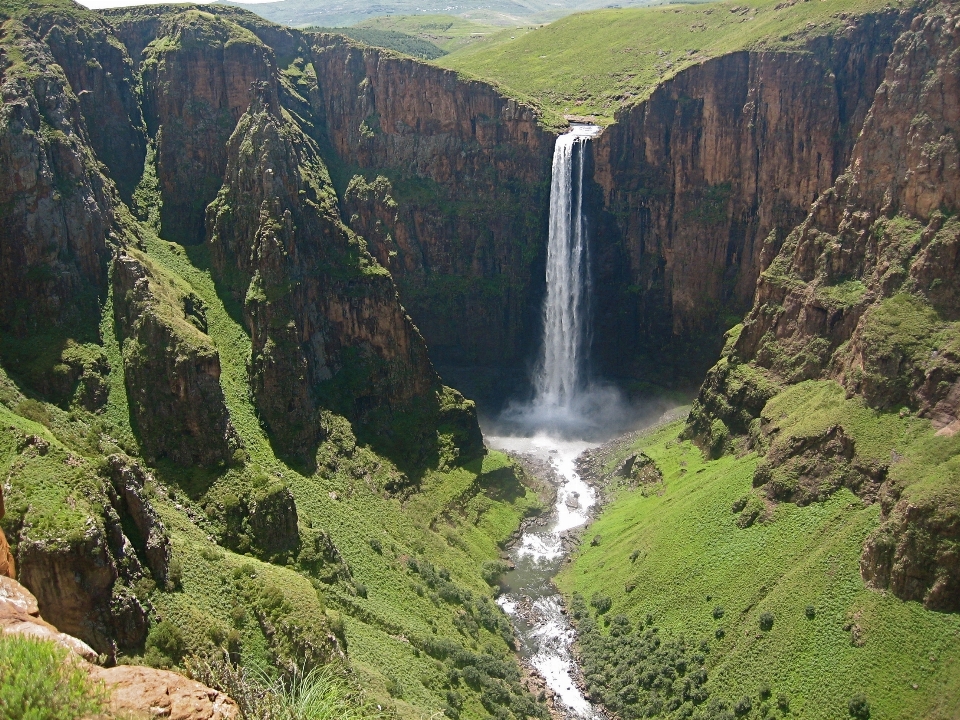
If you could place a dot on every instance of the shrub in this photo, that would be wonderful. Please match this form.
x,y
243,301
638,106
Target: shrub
x,y
361,589
766,621
165,645
376,545
743,706
40,682
765,691
493,570
717,612
810,612
174,575
602,603
783,702
859,707
720,633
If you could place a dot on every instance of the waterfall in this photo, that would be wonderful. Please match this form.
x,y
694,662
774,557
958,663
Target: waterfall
x,y
561,374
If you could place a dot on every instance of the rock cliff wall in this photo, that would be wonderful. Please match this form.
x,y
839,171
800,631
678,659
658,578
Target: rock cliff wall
x,y
707,176
59,210
459,212
863,292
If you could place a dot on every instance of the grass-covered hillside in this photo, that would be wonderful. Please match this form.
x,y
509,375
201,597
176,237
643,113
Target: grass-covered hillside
x,y
391,39
593,63
774,590
447,32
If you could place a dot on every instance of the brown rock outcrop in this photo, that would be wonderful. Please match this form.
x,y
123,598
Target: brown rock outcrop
x,y
161,693
171,367
8,567
20,615
131,689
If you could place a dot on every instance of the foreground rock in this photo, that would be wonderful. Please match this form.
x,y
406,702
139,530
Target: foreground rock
x,y
133,690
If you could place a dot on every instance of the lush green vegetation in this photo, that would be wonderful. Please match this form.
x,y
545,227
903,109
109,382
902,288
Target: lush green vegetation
x,y
793,630
391,39
594,63
39,681
447,32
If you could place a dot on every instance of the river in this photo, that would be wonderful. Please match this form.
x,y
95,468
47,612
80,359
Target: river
x,y
529,596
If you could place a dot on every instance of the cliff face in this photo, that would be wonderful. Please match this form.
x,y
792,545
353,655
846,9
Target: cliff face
x,y
863,292
324,316
459,216
197,77
707,177
58,209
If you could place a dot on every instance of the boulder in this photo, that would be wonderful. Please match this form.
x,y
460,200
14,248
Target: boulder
x,y
136,690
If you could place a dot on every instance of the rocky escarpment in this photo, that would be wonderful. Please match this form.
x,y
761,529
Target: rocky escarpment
x,y
59,210
450,189
862,292
197,78
324,316
84,550
171,367
702,182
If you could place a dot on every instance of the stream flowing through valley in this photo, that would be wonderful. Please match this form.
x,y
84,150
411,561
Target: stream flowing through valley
x,y
529,596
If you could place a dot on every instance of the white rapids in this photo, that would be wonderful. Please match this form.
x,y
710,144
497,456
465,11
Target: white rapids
x,y
530,597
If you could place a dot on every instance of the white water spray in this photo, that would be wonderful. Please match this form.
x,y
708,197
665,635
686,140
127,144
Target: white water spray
x,y
566,307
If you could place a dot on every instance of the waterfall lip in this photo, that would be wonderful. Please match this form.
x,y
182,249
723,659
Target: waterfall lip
x,y
586,130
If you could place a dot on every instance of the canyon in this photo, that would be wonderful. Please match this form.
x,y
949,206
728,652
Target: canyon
x,y
244,267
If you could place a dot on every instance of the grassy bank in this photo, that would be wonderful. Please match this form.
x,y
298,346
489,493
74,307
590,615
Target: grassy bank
x,y
674,551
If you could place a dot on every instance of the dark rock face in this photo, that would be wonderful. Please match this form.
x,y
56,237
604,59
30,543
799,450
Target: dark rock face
x,y
863,292
705,179
459,216
130,500
198,75
324,317
58,209
171,368
101,75
810,468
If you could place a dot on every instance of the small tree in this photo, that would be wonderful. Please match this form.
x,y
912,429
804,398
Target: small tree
x,y
859,707
766,621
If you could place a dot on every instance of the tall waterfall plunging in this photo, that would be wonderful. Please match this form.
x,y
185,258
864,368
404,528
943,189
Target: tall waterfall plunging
x,y
566,309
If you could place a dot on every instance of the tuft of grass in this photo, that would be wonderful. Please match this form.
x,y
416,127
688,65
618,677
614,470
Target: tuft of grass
x,y
39,680
322,693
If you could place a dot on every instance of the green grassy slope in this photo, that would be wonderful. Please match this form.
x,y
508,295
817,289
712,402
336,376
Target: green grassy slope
x,y
593,63
390,39
679,544
447,32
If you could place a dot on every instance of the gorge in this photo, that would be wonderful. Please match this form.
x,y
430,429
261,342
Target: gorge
x,y
254,278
